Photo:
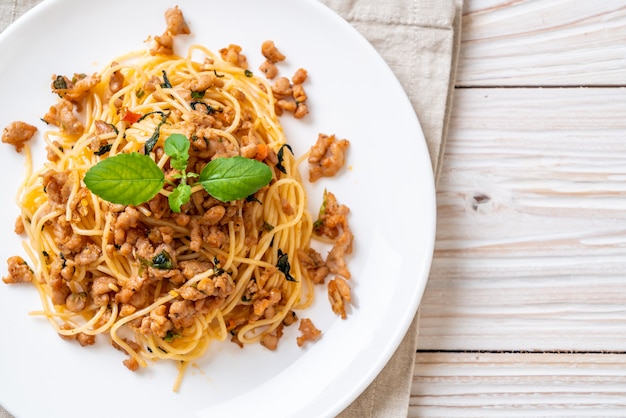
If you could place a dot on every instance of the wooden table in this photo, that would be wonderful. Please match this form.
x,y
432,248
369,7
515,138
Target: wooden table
x,y
525,309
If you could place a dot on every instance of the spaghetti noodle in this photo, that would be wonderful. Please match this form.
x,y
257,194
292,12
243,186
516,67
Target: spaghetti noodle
x,y
164,283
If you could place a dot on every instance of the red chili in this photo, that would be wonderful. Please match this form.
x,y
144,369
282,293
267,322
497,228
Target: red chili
x,y
131,117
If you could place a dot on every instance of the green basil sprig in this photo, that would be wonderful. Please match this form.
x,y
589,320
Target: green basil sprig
x,y
133,179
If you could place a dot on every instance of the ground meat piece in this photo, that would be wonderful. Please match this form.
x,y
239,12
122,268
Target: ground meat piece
x,y
191,268
101,289
116,81
175,20
336,261
82,338
62,115
53,150
332,218
299,76
223,286
270,341
65,238
176,25
85,339
182,313
128,219
269,69
301,110
265,307
215,237
19,271
57,186
233,55
339,296
204,82
314,264
309,332
60,290
133,291
131,364
74,89
103,128
327,156
299,95
282,88
195,235
90,253
19,226
76,302
213,215
288,105
269,51
17,134
189,293
164,45
150,85
157,322
290,318
159,206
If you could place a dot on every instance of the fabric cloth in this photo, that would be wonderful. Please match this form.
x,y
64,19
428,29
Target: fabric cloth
x,y
419,39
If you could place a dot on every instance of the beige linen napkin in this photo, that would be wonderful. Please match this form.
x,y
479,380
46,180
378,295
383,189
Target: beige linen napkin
x,y
419,39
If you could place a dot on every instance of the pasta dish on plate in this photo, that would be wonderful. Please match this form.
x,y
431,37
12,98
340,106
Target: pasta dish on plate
x,y
171,211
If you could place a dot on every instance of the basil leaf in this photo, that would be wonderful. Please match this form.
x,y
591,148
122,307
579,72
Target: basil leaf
x,y
162,261
103,149
177,148
166,82
179,196
280,153
283,265
127,179
234,178
151,142
209,110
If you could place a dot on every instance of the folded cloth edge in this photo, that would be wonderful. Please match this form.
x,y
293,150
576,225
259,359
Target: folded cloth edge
x,y
398,373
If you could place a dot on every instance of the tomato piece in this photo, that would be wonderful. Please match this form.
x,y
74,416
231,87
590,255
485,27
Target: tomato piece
x,y
130,117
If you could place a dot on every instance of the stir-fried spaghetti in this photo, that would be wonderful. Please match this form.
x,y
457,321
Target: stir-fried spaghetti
x,y
164,281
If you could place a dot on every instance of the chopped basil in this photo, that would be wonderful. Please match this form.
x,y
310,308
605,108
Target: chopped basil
x,y
197,95
162,261
283,265
170,336
209,109
280,156
150,143
103,149
59,83
166,82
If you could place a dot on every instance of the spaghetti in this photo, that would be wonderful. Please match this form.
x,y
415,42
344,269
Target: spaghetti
x,y
164,283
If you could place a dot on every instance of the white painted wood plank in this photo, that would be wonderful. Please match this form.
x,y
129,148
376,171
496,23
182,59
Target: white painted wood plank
x,y
543,42
531,242
518,385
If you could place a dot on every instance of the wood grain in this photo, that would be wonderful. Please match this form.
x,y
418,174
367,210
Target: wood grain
x,y
531,235
543,43
518,385
524,314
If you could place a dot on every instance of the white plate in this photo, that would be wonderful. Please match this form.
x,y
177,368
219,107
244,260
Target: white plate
x,y
388,186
